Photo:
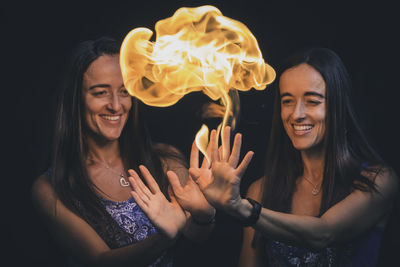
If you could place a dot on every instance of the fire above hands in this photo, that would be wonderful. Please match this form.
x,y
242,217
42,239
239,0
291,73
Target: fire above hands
x,y
197,49
168,216
222,186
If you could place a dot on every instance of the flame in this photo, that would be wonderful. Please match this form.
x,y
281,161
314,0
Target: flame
x,y
197,49
202,140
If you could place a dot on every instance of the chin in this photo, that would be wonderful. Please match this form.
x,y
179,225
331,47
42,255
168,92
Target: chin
x,y
307,146
301,148
111,136
302,145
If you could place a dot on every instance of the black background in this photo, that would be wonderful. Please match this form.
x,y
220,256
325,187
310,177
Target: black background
x,y
37,40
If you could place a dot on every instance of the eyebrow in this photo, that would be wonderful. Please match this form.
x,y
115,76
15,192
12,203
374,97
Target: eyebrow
x,y
309,93
98,85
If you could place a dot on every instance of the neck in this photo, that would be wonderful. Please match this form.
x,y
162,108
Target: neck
x,y
313,162
103,151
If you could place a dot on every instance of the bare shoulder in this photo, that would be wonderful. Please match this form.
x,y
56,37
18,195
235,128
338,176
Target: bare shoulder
x,y
43,195
255,189
386,181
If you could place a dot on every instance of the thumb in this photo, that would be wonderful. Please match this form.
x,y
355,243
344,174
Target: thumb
x,y
194,173
244,164
174,180
171,195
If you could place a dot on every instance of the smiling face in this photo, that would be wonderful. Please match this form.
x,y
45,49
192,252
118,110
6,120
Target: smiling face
x,y
107,102
303,106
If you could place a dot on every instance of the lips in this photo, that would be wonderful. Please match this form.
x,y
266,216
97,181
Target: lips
x,y
111,117
300,129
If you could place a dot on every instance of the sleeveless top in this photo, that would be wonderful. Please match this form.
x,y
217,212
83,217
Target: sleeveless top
x,y
363,251
134,221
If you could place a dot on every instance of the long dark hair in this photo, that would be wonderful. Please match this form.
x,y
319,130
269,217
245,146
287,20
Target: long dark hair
x,y
347,151
69,175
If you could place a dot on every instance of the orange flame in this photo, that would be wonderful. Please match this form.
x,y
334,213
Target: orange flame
x,y
197,49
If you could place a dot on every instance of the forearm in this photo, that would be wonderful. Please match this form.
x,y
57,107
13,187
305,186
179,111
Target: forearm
x,y
142,253
301,230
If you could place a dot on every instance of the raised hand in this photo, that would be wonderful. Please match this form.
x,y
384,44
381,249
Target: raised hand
x,y
190,196
222,188
166,215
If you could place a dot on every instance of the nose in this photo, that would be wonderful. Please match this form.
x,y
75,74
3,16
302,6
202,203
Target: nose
x,y
299,112
114,104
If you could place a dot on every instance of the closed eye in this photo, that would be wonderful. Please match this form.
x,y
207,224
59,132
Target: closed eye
x,y
314,102
286,101
99,93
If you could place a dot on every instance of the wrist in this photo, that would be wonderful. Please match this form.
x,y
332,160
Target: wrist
x,y
250,212
243,209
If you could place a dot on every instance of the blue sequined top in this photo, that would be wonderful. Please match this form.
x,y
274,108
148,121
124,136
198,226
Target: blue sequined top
x,y
362,251
134,221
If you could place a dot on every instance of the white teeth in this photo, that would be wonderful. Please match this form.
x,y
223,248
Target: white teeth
x,y
302,127
111,118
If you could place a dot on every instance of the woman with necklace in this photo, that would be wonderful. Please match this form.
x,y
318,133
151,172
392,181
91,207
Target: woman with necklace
x,y
326,195
85,197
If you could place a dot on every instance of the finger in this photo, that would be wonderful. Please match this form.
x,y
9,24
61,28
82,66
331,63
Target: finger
x,y
194,173
204,181
243,165
172,195
194,156
192,182
131,172
234,158
193,177
139,201
149,179
206,164
213,146
226,139
174,181
138,184
144,197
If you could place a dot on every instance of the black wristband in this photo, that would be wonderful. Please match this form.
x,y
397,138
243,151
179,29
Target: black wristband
x,y
255,213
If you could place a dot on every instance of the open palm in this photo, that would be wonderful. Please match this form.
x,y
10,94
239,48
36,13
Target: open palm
x,y
222,187
166,215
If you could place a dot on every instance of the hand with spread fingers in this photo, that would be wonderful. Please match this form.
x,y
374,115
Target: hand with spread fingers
x,y
166,215
222,186
190,196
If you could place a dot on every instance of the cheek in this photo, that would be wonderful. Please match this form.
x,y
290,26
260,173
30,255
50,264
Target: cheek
x,y
93,105
126,103
320,117
90,111
285,113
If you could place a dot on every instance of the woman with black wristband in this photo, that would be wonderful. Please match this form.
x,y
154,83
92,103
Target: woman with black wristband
x,y
326,194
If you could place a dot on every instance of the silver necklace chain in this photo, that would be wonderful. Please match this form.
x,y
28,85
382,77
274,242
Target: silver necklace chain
x,y
315,190
122,181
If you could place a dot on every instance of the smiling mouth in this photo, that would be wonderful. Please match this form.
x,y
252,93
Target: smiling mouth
x,y
302,129
111,117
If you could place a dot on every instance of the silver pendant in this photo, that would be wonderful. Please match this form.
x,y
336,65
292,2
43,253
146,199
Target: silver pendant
x,y
123,182
315,191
